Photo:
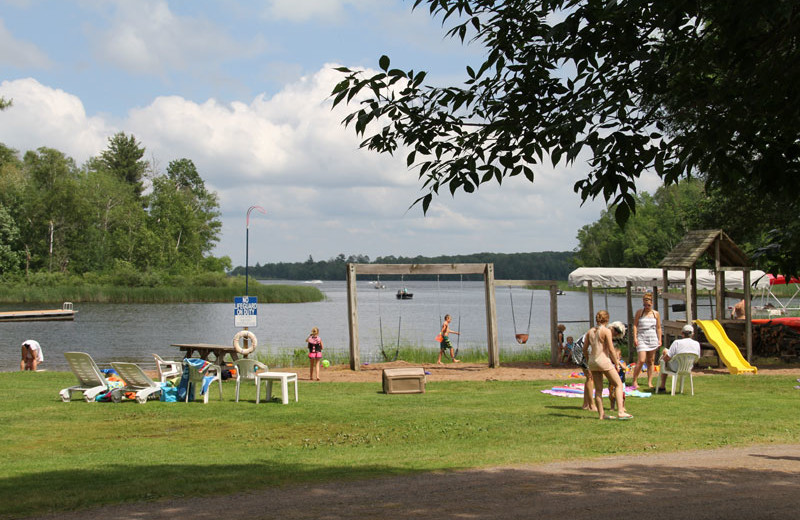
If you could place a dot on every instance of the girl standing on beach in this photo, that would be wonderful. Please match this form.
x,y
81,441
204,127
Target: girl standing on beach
x,y
314,353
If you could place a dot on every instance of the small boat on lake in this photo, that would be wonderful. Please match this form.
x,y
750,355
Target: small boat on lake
x,y
316,282
403,294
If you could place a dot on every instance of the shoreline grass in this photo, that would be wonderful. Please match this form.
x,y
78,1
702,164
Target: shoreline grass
x,y
81,453
95,293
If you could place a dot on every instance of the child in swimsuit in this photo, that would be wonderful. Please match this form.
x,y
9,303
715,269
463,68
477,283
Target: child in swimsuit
x,y
314,353
444,343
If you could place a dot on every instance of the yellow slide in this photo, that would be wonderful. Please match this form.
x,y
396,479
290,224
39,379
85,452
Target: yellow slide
x,y
728,352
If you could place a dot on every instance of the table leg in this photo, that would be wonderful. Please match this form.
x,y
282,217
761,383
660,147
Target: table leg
x,y
285,390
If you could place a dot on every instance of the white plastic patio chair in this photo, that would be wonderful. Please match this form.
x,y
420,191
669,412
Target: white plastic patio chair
x,y
135,381
91,382
167,369
684,362
196,377
246,370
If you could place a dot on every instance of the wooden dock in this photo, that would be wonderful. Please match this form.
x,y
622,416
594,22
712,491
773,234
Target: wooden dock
x,y
65,313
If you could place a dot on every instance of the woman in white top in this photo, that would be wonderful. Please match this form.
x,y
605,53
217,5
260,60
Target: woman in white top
x,y
647,338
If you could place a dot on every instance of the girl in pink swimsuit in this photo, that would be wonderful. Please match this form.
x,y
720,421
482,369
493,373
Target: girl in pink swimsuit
x,y
314,353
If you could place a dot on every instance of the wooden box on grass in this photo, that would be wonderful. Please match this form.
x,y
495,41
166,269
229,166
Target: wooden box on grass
x,y
403,381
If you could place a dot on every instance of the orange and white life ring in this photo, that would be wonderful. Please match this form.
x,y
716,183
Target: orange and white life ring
x,y
252,342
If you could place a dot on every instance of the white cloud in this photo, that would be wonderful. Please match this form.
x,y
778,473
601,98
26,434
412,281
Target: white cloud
x,y
301,11
43,116
18,53
146,37
324,195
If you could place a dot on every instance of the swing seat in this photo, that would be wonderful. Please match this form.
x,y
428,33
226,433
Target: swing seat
x,y
522,338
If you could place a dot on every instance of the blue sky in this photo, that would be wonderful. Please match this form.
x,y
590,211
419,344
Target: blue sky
x,y
241,88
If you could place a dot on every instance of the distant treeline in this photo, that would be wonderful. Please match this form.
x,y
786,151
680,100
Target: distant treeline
x,y
548,265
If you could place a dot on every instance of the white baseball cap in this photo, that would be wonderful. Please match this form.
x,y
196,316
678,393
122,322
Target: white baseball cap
x,y
688,328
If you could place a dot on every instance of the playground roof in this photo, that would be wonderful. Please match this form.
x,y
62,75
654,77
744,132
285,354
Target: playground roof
x,y
643,277
699,242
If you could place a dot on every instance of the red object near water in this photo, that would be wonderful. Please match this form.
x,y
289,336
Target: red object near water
x,y
793,322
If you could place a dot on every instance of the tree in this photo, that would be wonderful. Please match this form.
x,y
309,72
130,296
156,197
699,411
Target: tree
x,y
9,236
183,216
660,222
123,157
687,88
53,209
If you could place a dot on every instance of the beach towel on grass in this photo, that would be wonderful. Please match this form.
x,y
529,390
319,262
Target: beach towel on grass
x,y
576,390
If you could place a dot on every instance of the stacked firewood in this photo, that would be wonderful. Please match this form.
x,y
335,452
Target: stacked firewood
x,y
775,340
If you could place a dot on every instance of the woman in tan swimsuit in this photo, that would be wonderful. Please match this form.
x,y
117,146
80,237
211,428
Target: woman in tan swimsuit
x,y
603,361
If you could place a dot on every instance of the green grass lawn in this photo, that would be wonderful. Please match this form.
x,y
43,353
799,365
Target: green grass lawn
x,y
77,455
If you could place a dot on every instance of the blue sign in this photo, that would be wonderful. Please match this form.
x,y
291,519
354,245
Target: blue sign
x,y
245,311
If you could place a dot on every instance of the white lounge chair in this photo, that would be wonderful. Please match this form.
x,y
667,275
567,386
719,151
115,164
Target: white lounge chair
x,y
167,369
91,381
135,381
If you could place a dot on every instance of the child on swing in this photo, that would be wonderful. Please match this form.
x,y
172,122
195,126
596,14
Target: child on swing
x,y
444,340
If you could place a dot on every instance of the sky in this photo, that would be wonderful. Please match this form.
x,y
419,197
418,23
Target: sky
x,y
242,88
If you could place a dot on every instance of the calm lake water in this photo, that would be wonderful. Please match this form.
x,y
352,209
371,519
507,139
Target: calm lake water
x,y
131,332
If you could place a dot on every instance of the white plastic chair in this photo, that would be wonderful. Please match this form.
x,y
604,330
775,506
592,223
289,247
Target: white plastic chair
x,y
246,370
91,381
135,381
167,369
685,362
196,377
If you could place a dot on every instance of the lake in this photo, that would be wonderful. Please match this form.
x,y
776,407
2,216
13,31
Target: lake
x,y
131,332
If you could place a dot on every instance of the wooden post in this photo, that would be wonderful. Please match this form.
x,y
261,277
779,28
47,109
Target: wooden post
x,y
719,281
491,317
629,295
748,315
352,313
554,359
591,303
687,284
695,308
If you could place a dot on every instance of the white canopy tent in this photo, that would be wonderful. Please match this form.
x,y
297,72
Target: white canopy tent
x,y
608,277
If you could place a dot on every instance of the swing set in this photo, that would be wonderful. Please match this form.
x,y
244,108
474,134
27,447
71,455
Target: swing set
x,y
487,270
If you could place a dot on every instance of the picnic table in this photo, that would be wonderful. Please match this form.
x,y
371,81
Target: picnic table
x,y
203,350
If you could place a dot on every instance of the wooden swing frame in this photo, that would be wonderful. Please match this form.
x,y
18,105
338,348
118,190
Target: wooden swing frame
x,y
487,270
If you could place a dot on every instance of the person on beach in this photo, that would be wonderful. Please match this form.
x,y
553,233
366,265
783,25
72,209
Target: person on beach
x,y
685,344
563,353
603,361
31,355
646,338
568,349
314,353
618,331
444,340
588,385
